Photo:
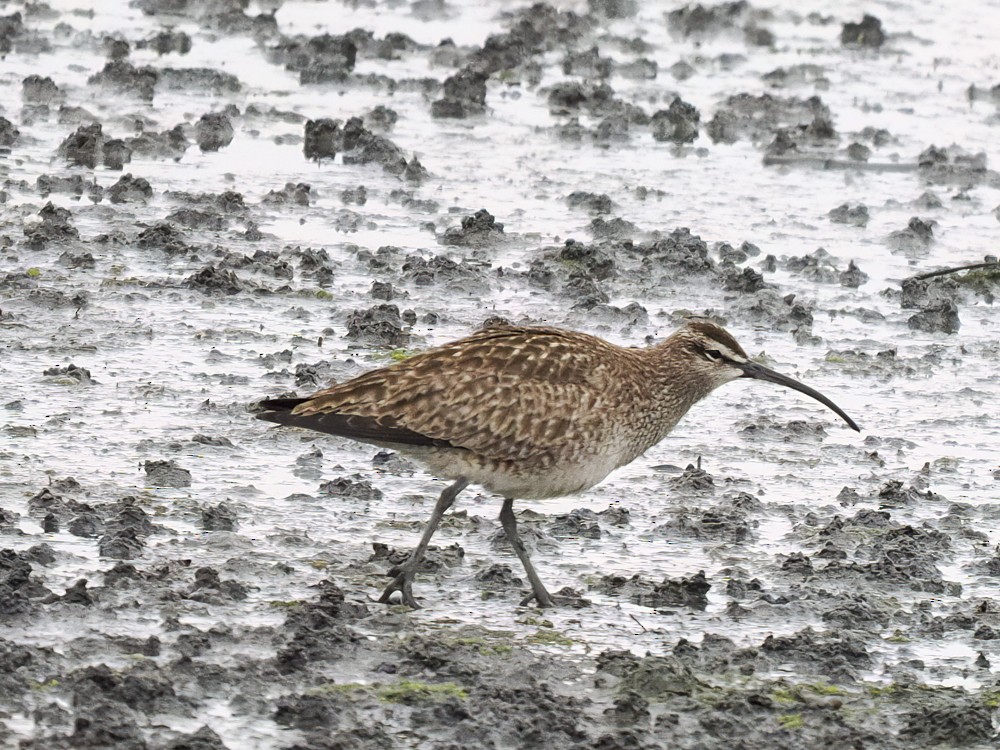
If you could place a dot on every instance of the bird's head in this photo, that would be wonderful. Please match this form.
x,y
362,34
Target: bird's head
x,y
713,357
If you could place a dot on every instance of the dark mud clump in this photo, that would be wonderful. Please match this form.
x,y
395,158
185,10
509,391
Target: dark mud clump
x,y
355,488
214,131
479,230
320,59
677,124
852,277
55,227
166,474
325,138
217,280
937,317
296,194
868,33
793,123
846,214
130,189
464,95
439,270
380,325
221,517
89,147
120,77
597,204
955,166
166,144
915,239
8,133
70,374
682,592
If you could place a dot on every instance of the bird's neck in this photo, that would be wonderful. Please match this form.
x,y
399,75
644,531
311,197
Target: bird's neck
x,y
676,386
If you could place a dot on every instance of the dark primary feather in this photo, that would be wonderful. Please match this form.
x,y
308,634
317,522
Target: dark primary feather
x,y
279,411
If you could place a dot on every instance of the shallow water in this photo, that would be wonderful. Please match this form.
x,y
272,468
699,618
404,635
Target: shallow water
x,y
170,362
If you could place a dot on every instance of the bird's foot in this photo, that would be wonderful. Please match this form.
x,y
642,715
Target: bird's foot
x,y
566,597
403,583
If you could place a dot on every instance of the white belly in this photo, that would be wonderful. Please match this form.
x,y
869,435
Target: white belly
x,y
555,482
522,481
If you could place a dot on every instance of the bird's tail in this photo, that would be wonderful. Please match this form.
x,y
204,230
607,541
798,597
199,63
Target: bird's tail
x,y
278,410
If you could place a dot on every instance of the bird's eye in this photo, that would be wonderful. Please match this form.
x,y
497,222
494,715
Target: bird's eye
x,y
713,355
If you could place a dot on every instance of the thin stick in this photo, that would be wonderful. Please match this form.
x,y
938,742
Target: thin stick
x,y
638,623
956,269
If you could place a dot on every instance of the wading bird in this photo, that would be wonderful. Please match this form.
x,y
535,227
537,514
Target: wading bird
x,y
527,413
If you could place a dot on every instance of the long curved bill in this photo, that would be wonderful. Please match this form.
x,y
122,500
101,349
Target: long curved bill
x,y
759,372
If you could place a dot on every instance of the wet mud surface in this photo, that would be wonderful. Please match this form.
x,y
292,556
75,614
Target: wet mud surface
x,y
208,203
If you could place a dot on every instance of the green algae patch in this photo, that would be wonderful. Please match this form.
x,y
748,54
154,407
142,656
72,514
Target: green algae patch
x,y
537,621
783,695
549,638
469,641
482,645
393,355
980,277
902,692
791,721
881,691
125,281
409,692
285,604
813,694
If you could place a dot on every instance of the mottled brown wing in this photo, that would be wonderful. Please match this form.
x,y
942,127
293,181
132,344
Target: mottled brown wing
x,y
505,393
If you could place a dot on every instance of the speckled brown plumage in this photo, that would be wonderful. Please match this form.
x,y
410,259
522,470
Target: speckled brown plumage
x,y
529,412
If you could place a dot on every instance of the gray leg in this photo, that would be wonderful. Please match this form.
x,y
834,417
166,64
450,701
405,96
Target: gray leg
x,y
509,523
403,582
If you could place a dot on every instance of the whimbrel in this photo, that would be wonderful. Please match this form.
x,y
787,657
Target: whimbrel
x,y
527,413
